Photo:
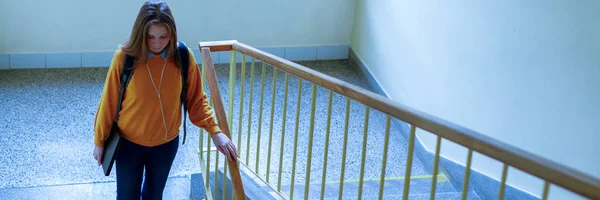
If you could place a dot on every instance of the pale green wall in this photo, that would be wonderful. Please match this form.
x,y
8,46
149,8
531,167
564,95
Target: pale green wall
x,y
41,26
523,72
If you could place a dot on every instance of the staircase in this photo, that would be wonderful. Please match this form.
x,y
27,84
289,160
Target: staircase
x,y
343,70
47,125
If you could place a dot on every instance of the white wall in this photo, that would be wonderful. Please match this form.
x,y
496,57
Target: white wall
x,y
524,72
41,26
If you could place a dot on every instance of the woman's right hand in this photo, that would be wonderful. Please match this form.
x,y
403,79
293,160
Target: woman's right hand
x,y
225,146
98,151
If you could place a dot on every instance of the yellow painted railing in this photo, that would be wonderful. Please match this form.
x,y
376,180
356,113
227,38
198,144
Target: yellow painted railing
x,y
552,173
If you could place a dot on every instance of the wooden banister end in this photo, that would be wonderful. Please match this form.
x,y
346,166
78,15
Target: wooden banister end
x,y
216,46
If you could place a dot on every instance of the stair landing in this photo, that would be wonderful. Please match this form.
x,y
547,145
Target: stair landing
x,y
177,188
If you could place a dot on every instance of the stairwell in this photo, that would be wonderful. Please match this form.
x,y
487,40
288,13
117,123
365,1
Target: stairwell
x,y
341,69
47,123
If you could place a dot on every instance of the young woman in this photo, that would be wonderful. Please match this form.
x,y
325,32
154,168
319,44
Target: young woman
x,y
151,111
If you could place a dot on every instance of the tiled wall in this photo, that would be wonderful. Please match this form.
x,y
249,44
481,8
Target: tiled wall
x,y
103,59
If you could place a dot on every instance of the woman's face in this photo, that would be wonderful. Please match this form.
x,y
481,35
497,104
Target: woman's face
x,y
158,38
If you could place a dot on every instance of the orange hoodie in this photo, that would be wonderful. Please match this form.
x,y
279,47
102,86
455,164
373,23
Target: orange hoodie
x,y
141,119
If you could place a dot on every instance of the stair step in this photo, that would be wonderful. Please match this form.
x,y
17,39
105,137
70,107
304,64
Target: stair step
x,y
177,188
438,196
420,185
198,188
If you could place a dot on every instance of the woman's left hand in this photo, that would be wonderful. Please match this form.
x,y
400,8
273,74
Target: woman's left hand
x,y
225,146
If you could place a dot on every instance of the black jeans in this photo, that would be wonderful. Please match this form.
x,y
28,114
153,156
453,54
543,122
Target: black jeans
x,y
130,163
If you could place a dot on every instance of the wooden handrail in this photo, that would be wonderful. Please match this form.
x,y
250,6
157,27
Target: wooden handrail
x,y
553,172
215,95
217,46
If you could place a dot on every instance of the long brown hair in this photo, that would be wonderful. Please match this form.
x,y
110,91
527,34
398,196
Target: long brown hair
x,y
151,12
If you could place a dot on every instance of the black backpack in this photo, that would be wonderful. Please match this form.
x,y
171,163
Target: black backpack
x,y
184,62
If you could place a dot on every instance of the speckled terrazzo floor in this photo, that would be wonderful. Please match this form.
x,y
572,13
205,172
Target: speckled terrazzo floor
x,y
47,127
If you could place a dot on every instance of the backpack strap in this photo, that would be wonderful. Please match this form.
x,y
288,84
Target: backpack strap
x,y
126,74
184,62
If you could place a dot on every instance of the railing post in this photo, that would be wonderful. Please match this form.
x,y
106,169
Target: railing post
x,y
268,173
364,152
503,183
285,99
409,158
345,145
296,138
216,181
465,190
436,163
546,189
326,145
310,140
223,192
260,114
249,132
208,163
384,159
202,78
242,84
232,74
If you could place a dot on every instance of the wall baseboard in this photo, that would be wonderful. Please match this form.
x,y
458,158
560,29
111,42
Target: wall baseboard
x,y
486,187
362,69
103,59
